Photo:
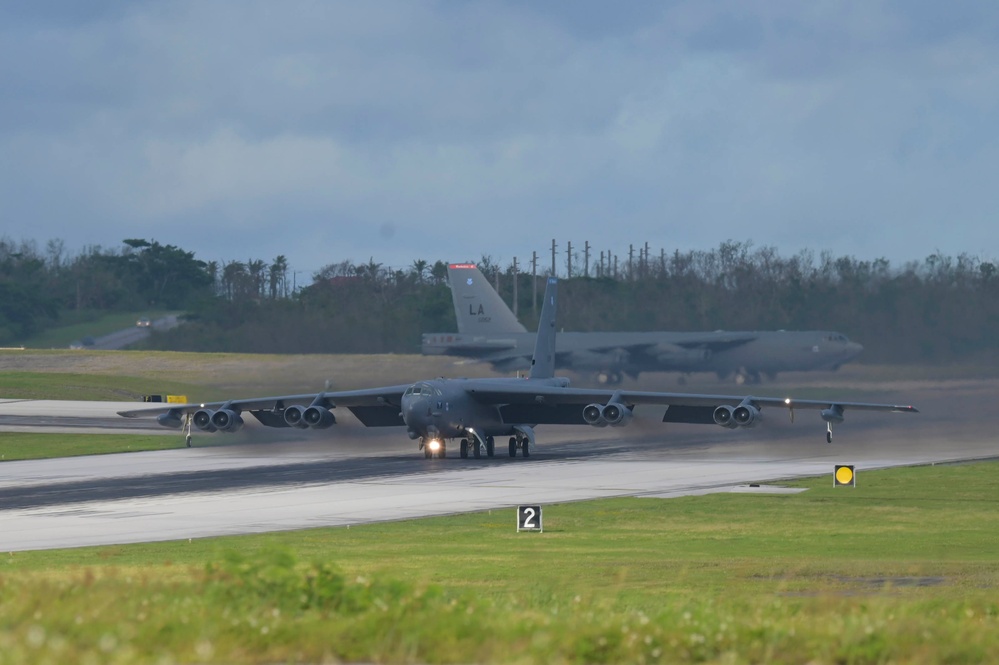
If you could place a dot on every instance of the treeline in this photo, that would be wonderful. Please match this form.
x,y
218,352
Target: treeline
x,y
938,309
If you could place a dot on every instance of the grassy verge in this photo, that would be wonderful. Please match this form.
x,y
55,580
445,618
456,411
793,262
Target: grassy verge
x,y
902,568
71,386
25,445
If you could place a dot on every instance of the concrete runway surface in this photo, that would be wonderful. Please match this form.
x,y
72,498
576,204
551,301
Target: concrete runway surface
x,y
269,480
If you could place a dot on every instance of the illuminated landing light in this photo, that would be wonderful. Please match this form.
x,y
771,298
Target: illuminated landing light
x,y
787,400
434,445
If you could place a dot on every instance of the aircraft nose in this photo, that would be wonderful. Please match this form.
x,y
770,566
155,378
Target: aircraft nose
x,y
854,349
414,411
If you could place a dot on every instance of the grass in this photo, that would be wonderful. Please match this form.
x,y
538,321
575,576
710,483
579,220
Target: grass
x,y
25,445
72,386
902,568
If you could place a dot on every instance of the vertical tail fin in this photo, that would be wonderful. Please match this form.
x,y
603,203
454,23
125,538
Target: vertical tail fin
x,y
479,309
543,364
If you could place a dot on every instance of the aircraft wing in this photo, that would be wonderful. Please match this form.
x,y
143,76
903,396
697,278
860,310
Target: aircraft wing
x,y
373,406
539,404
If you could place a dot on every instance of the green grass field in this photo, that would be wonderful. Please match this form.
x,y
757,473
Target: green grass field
x,y
71,386
28,445
903,568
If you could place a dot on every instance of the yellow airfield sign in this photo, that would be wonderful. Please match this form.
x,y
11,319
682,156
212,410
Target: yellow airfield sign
x,y
844,474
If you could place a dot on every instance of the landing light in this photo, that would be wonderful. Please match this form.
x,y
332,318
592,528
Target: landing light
x,y
434,445
787,400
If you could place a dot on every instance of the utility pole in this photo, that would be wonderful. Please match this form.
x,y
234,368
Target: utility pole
x,y
631,257
516,280
586,258
553,258
534,284
568,258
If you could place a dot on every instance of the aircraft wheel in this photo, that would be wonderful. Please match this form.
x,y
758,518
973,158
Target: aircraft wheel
x,y
490,446
527,449
828,437
464,449
513,447
442,453
188,440
427,452
478,450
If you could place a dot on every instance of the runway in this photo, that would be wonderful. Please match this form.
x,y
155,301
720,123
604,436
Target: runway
x,y
271,480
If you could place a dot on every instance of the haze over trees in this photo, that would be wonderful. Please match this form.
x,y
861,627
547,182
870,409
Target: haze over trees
x,y
937,309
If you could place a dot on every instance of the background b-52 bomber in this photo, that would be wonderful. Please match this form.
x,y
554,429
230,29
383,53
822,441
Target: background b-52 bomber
x,y
489,332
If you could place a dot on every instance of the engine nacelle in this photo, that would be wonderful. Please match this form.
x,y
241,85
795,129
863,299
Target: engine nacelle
x,y
203,420
295,417
318,417
724,415
227,420
676,356
746,415
616,414
593,414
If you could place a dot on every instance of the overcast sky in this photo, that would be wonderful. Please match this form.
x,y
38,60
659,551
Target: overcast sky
x,y
329,131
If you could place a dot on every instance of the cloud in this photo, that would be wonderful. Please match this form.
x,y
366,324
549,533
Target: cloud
x,y
309,128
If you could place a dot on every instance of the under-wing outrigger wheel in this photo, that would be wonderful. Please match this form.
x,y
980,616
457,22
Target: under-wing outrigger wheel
x,y
188,440
828,432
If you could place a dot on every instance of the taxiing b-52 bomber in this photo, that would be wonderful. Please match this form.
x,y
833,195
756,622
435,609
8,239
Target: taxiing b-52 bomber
x,y
476,411
489,332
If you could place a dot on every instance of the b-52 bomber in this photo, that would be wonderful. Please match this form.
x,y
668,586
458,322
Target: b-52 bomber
x,y
489,332
476,411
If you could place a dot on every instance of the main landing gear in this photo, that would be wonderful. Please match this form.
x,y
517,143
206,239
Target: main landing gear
x,y
522,443
476,448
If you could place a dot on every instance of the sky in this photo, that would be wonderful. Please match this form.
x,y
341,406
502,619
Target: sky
x,y
397,131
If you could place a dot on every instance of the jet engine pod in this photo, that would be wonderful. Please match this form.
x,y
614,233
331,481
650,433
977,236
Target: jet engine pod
x,y
203,420
616,414
593,414
294,416
724,415
318,417
227,420
746,415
